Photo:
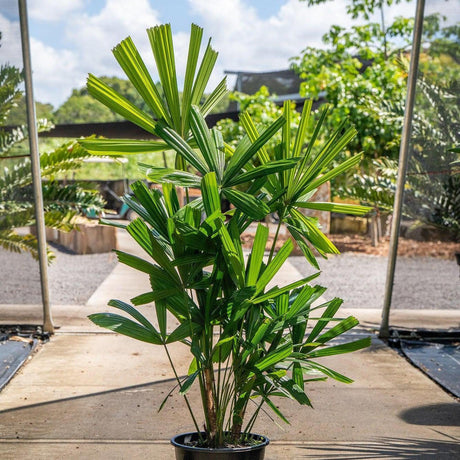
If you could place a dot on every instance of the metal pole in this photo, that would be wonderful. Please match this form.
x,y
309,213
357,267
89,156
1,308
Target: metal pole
x,y
35,164
403,159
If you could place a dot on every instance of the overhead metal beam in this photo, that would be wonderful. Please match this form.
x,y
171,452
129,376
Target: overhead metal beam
x,y
35,165
403,159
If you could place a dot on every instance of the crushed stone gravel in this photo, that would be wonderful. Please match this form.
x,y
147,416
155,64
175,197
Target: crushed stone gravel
x,y
420,282
72,277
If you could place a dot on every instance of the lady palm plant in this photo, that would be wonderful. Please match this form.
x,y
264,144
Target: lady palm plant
x,y
249,343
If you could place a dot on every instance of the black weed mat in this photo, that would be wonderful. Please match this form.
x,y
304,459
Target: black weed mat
x,y
16,345
436,353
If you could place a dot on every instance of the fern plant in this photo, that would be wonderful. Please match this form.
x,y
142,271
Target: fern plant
x,y
61,202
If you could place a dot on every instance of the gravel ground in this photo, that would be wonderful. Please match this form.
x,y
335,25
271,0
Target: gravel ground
x,y
72,278
420,282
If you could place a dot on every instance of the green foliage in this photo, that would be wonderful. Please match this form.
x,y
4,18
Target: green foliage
x,y
262,110
432,191
80,107
361,65
18,115
61,203
248,342
376,186
10,78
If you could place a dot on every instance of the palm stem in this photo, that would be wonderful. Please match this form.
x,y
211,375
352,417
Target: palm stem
x,y
275,239
185,396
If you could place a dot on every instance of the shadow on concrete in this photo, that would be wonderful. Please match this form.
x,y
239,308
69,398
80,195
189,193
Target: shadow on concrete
x,y
121,413
433,414
394,448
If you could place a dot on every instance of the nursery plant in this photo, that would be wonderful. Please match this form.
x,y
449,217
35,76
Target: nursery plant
x,y
250,342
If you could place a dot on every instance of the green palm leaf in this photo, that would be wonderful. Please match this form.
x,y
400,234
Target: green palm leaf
x,y
131,62
114,101
125,326
98,146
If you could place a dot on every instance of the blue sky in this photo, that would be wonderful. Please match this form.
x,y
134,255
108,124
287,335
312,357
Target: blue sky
x,y
70,38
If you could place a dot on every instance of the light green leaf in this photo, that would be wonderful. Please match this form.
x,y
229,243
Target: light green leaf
x,y
242,155
274,292
274,357
335,207
331,309
210,194
170,175
347,164
214,158
257,254
314,234
329,372
343,348
196,34
162,46
264,170
273,267
131,62
178,144
110,98
100,146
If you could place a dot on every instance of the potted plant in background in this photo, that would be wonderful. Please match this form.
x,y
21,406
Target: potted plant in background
x,y
248,343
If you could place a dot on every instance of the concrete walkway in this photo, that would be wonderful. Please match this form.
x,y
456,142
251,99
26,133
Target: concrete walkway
x,y
91,394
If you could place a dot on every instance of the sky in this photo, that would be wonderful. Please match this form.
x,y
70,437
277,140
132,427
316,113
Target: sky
x,y
70,38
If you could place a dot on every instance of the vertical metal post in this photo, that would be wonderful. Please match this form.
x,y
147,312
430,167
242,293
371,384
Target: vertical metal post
x,y
403,159
35,164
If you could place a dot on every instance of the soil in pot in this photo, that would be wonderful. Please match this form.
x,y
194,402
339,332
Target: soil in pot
x,y
186,449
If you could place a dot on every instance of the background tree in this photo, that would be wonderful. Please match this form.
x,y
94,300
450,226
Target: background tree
x,y
361,63
361,75
18,114
80,107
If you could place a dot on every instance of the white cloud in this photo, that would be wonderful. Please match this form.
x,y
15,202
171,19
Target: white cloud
x,y
52,10
55,73
246,41
87,47
10,50
94,36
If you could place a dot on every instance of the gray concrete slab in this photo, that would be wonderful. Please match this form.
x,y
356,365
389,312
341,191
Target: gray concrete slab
x,y
100,393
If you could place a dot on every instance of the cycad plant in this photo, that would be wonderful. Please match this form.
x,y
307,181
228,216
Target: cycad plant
x,y
249,343
61,202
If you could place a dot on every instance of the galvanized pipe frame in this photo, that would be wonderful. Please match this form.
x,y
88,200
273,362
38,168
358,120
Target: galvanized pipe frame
x,y
403,160
35,165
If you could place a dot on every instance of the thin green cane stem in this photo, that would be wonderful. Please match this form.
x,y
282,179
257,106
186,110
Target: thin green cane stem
x,y
253,418
275,239
185,396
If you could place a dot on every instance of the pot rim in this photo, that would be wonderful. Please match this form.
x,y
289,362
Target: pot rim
x,y
175,443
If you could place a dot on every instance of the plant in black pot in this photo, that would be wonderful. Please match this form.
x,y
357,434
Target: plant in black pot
x,y
249,342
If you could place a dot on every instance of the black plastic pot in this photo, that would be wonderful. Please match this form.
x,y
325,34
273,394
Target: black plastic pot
x,y
187,452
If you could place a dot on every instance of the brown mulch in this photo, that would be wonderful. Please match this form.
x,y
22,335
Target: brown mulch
x,y
362,244
406,247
